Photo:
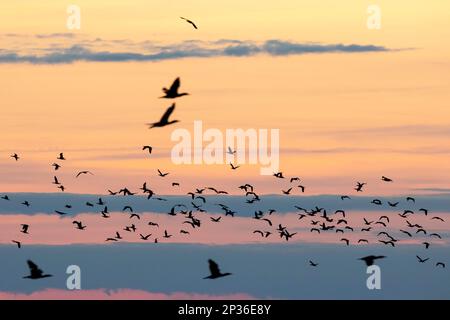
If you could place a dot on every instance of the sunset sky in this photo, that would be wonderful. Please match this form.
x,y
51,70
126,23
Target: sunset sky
x,y
342,116
351,104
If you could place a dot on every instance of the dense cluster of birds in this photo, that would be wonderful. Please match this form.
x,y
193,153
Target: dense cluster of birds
x,y
318,218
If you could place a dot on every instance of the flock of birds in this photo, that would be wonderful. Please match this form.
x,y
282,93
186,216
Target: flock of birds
x,y
319,219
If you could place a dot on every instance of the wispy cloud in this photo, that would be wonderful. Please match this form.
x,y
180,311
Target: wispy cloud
x,y
119,294
85,50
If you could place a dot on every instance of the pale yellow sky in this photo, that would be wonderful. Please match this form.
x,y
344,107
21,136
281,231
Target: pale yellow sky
x,y
343,117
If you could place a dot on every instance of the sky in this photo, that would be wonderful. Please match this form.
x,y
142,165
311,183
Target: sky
x,y
350,103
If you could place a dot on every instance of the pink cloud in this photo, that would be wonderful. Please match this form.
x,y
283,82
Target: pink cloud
x,y
118,294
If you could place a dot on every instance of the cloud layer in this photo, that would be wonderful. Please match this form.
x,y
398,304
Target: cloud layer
x,y
149,51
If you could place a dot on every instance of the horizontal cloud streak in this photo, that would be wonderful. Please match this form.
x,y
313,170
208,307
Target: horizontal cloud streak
x,y
187,49
119,294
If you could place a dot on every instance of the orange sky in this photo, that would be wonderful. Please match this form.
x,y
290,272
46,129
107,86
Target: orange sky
x,y
342,116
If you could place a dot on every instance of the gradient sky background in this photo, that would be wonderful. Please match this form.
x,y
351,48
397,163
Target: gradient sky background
x,y
379,107
342,116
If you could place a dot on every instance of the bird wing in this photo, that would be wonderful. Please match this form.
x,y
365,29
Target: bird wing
x,y
175,85
34,269
166,115
213,267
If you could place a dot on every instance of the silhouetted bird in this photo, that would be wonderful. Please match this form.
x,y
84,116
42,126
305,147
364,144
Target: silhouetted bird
x,y
83,172
61,156
15,156
233,167
440,264
215,271
189,21
422,260
313,264
164,119
25,228
369,260
19,245
56,166
149,148
386,179
172,92
35,272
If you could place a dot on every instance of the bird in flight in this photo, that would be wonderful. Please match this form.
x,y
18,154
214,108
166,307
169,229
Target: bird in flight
x,y
230,151
56,166
79,224
215,271
15,156
172,92
61,156
149,148
359,186
189,21
84,172
369,260
25,228
162,174
422,260
313,264
233,167
19,245
35,272
386,179
164,119
440,264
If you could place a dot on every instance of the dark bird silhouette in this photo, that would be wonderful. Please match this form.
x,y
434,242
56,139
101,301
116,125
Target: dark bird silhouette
x,y
5,197
233,167
172,92
62,188
294,179
55,180
15,156
153,224
164,121
406,232
392,204
56,166
278,175
175,184
377,202
359,186
369,260
440,264
215,219
435,235
386,179
145,237
313,264
26,203
166,235
25,228
35,272
149,148
287,192
19,244
84,172
427,244
189,21
129,208
162,174
215,271
302,188
425,211
346,241
410,199
60,212
437,218
61,156
422,260
345,197
79,224
363,240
